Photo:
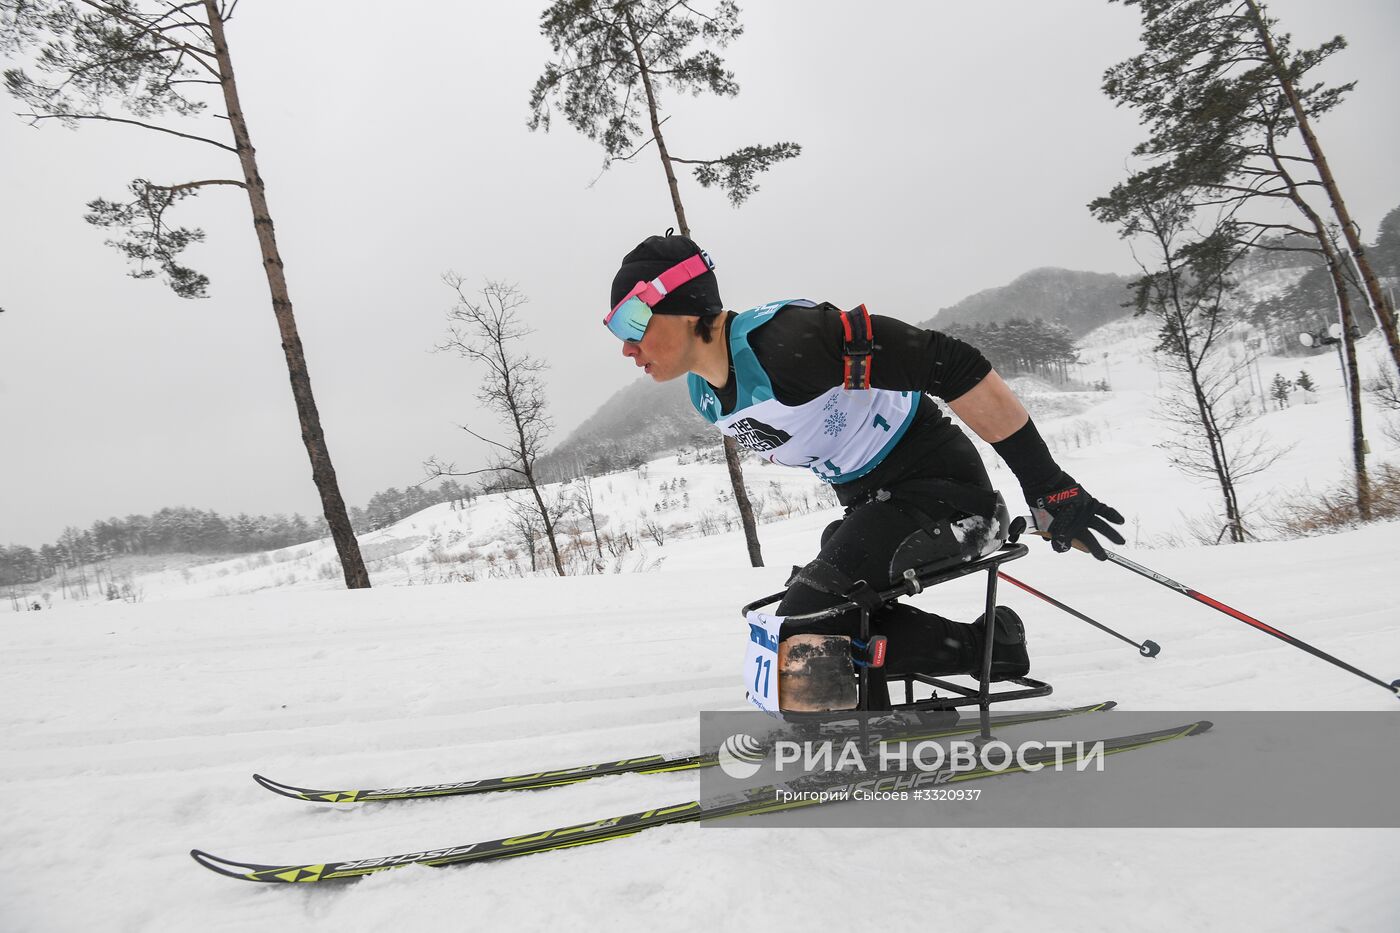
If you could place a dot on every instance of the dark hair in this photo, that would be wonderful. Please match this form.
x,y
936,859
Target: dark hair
x,y
705,327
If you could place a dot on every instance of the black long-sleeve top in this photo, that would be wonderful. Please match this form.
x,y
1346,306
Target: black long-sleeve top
x,y
800,349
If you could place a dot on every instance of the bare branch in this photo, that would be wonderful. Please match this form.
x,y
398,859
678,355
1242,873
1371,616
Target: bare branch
x,y
34,118
487,440
436,469
201,184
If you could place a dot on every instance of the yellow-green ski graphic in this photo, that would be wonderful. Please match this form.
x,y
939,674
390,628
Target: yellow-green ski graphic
x,y
750,802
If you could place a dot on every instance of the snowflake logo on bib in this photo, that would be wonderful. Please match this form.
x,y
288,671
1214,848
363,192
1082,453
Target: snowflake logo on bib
x,y
835,423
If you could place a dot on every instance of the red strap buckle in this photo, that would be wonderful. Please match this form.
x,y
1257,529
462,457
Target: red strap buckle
x,y
878,646
857,346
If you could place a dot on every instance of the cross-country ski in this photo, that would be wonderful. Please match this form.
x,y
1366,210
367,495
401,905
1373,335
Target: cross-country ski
x,y
645,764
756,801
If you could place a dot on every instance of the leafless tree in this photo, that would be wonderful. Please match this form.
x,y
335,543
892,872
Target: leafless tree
x,y
583,500
1386,391
654,530
1188,294
619,544
487,330
163,63
524,520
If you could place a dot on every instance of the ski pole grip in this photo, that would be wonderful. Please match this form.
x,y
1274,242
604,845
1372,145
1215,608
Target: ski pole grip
x,y
1076,543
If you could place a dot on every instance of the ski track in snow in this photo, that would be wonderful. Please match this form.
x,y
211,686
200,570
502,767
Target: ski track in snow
x,y
130,731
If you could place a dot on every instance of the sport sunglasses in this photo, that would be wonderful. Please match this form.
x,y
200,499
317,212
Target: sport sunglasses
x,y
629,318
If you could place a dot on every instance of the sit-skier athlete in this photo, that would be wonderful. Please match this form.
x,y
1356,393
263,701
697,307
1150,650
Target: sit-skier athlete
x,y
846,394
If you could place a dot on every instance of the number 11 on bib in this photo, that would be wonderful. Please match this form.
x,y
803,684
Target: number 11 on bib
x,y
761,661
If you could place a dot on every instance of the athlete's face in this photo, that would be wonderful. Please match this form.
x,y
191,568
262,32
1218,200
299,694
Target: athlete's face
x,y
666,349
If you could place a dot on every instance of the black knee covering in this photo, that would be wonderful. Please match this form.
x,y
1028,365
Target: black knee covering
x,y
821,585
944,539
824,578
926,547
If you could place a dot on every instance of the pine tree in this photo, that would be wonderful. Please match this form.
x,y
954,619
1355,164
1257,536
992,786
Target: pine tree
x,y
1305,385
613,59
1386,250
1279,389
149,59
1223,95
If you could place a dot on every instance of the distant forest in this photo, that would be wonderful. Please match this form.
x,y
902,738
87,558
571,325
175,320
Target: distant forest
x,y
195,531
1037,347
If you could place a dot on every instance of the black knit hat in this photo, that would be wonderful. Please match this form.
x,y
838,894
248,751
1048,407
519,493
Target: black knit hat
x,y
653,256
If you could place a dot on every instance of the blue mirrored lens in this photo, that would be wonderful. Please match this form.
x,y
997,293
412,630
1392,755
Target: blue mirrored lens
x,y
629,320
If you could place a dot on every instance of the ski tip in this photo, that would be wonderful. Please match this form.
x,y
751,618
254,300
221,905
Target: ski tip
x,y
247,871
286,790
220,866
1204,725
269,783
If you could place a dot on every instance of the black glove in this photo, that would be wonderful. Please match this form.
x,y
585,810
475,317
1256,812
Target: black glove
x,y
1070,514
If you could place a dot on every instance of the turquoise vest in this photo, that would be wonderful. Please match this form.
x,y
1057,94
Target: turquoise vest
x,y
840,435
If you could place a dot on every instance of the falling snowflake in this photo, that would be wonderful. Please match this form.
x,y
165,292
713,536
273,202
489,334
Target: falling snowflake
x,y
835,423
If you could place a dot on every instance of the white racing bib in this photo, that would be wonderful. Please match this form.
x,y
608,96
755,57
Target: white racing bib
x,y
840,435
761,662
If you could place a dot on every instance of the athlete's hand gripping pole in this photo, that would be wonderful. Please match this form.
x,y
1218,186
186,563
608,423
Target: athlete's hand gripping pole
x,y
1069,517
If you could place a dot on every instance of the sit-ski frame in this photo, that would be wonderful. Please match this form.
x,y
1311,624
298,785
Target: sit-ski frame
x,y
865,598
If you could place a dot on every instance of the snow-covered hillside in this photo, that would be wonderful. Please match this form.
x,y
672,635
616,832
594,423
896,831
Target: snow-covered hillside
x,y
1107,440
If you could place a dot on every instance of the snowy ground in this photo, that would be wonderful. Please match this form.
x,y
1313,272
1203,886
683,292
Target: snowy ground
x,y
130,730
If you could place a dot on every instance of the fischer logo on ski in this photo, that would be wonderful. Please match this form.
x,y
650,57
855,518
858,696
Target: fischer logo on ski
x,y
389,861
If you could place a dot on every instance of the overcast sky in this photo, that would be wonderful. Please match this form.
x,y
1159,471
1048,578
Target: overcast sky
x,y
947,148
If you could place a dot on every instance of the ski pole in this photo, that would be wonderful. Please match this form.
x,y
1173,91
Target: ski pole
x,y
1148,648
1393,686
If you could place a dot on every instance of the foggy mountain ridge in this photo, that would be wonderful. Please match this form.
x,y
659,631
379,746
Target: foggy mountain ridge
x,y
1081,301
637,423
